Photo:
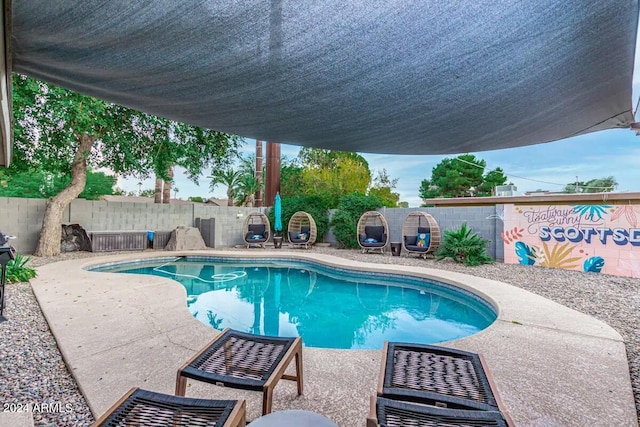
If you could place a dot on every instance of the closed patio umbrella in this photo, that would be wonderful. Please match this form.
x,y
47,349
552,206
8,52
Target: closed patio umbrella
x,y
277,211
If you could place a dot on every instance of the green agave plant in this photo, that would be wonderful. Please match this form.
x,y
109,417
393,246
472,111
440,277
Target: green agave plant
x,y
464,246
17,270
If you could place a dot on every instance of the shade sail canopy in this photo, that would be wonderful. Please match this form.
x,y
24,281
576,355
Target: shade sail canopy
x,y
390,76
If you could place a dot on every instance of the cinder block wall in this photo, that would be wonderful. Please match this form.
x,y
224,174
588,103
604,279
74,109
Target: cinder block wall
x,y
228,222
23,218
482,220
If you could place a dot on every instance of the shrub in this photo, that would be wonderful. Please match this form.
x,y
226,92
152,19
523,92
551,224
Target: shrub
x,y
345,220
312,205
17,270
463,246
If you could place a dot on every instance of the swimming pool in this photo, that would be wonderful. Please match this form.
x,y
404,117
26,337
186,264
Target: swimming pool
x,y
328,307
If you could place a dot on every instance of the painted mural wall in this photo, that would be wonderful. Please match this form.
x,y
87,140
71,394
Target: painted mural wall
x,y
590,238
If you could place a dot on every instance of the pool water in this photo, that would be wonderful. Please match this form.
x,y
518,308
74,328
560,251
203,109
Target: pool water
x,y
327,307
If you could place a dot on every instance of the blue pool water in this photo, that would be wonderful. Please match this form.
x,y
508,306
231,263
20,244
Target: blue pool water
x,y
327,307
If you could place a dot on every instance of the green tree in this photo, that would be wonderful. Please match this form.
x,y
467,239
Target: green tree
x,y
290,178
247,187
598,185
490,181
345,219
229,178
147,192
313,205
461,176
39,184
61,131
332,175
382,188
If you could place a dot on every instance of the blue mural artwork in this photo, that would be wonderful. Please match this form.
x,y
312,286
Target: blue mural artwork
x,y
526,255
593,264
591,211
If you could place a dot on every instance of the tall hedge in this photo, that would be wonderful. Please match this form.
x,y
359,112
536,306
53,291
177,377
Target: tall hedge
x,y
345,220
312,205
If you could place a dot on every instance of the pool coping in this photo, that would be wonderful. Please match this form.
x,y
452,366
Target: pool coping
x,y
552,365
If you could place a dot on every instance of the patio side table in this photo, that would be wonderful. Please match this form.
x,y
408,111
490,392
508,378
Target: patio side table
x,y
396,248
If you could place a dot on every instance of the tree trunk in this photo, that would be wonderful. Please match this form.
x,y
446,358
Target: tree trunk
x,y
166,191
157,193
229,197
51,233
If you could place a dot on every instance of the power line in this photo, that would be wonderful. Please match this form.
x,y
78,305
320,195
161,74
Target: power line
x,y
532,179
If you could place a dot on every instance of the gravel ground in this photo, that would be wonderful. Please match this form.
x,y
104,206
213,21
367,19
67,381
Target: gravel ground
x,y
32,370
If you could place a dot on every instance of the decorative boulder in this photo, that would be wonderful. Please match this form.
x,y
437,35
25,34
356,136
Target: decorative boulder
x,y
74,238
184,239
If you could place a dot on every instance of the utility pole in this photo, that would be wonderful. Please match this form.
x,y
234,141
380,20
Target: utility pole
x,y
272,182
259,173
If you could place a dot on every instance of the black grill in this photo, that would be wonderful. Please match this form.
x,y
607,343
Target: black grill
x,y
7,253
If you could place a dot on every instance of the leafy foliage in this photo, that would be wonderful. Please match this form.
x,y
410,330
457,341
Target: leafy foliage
x,y
346,176
464,246
40,184
312,205
17,270
229,178
383,187
290,178
462,176
598,185
61,132
345,219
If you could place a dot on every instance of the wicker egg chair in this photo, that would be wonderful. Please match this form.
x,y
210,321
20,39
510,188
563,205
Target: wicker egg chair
x,y
373,232
302,230
420,223
256,229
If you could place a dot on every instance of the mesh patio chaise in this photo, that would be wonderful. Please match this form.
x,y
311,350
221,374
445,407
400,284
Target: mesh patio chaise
x,y
255,230
373,232
146,408
437,376
394,413
302,230
245,361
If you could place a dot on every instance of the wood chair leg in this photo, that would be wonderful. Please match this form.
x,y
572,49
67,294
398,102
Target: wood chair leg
x,y
181,384
267,400
299,371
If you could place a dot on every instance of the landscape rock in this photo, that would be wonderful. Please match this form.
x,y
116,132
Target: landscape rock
x,y
185,239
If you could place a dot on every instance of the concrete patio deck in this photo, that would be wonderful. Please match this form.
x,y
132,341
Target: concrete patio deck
x,y
553,366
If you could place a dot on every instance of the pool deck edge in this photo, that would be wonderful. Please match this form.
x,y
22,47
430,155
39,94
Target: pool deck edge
x,y
552,365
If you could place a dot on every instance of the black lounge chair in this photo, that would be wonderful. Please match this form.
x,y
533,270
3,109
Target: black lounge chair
x,y
438,376
301,238
372,232
146,408
246,361
424,225
410,242
393,413
257,234
374,237
302,230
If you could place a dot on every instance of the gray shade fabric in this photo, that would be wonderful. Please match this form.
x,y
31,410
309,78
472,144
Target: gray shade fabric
x,y
421,77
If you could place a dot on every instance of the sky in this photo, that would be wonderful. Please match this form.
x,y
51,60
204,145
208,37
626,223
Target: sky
x,y
548,166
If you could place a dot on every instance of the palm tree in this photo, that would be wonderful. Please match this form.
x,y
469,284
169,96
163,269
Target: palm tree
x,y
248,186
228,177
